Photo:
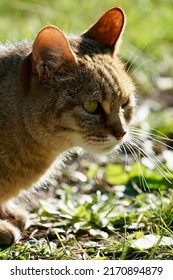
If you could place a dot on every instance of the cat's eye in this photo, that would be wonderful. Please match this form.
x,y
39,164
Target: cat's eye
x,y
125,103
91,106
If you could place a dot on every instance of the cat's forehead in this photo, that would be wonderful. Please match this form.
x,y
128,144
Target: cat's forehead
x,y
103,78
85,46
100,75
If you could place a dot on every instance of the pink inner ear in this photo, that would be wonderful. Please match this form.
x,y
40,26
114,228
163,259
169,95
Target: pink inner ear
x,y
51,41
108,28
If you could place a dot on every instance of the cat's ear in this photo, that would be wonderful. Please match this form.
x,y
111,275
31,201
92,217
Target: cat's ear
x,y
52,48
108,28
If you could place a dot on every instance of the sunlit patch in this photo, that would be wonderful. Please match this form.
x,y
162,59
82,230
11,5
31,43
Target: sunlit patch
x,y
106,107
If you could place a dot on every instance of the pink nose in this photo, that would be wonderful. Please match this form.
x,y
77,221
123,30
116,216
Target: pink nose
x,y
120,134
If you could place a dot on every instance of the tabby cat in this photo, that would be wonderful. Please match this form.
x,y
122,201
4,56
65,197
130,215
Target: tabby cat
x,y
56,93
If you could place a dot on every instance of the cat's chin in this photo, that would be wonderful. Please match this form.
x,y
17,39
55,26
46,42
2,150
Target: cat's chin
x,y
100,150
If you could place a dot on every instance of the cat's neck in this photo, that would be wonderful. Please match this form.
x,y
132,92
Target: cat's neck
x,y
32,143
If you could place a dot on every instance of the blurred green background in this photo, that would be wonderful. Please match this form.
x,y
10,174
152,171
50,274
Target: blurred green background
x,y
148,37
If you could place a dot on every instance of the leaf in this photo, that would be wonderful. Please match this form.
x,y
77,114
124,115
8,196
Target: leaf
x,y
115,174
98,233
150,240
80,212
82,226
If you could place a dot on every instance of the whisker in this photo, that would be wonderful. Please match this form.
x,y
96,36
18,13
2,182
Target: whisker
x,y
161,136
135,134
142,179
126,155
153,137
137,68
158,141
138,54
158,164
161,133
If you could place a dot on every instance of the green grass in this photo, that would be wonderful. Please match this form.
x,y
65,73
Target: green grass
x,y
103,205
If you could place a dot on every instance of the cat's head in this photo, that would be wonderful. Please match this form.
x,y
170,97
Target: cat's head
x,y
91,95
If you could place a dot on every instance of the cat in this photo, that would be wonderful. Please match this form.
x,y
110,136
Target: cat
x,y
56,93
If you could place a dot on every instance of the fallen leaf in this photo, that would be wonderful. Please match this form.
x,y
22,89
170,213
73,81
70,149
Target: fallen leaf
x,y
149,240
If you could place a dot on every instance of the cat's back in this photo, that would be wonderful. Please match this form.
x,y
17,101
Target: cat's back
x,y
11,56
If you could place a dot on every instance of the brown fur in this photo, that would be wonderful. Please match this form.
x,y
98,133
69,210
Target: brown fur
x,y
44,87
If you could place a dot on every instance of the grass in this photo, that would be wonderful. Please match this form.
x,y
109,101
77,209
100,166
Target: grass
x,y
103,206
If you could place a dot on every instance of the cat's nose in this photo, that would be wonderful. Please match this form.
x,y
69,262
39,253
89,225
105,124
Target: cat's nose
x,y
118,130
120,134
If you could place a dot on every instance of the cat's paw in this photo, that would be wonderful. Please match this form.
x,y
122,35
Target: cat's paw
x,y
16,216
9,234
19,218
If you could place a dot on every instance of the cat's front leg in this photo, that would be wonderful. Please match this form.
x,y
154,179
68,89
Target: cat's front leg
x,y
9,233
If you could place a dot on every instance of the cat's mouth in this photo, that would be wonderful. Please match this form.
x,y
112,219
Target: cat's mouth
x,y
101,144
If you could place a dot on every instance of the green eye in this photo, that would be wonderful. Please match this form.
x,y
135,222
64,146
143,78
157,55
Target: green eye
x,y
91,106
